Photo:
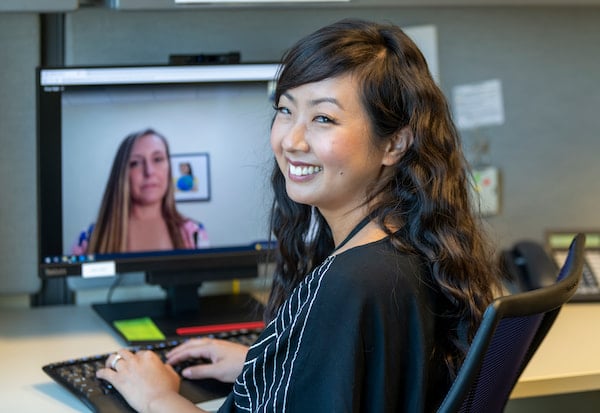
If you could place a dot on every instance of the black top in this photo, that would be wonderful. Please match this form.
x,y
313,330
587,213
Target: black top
x,y
356,335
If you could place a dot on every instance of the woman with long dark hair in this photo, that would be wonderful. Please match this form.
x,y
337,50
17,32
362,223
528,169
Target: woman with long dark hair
x,y
382,270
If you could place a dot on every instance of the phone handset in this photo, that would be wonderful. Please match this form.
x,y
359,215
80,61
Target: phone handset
x,y
529,266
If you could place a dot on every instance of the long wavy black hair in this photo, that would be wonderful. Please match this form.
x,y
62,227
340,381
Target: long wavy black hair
x,y
427,195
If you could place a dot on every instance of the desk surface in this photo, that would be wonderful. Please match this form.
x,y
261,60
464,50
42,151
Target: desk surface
x,y
31,338
567,361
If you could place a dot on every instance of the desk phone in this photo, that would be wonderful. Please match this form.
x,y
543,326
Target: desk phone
x,y
558,244
530,265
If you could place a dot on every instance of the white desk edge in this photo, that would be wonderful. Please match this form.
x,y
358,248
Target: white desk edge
x,y
567,361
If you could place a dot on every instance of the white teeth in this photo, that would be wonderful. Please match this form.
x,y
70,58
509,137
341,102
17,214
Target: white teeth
x,y
304,170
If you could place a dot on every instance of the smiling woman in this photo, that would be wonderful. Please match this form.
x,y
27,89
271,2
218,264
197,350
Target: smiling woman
x,y
326,150
138,211
379,255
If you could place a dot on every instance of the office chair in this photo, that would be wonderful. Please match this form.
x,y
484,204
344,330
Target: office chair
x,y
511,330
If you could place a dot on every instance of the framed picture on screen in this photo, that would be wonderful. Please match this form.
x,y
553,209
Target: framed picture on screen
x,y
191,177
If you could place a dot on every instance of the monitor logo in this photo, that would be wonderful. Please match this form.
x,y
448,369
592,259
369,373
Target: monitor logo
x,y
55,271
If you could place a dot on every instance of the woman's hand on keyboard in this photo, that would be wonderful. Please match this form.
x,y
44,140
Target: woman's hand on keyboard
x,y
144,381
226,358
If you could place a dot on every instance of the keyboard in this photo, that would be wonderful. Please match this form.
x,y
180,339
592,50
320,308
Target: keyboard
x,y
78,376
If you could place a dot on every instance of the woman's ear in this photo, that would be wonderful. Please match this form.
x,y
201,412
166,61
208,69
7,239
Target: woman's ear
x,y
397,146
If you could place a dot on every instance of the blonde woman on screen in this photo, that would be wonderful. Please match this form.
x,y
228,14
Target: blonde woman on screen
x,y
138,211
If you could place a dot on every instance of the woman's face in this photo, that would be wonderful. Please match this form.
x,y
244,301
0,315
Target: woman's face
x,y
323,145
148,170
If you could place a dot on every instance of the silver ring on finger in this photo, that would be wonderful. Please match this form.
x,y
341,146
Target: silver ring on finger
x,y
113,363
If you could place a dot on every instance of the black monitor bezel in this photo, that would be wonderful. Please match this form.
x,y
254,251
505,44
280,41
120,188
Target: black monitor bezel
x,y
179,272
50,172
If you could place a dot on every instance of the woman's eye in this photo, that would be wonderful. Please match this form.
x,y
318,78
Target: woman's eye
x,y
134,164
159,159
324,119
282,109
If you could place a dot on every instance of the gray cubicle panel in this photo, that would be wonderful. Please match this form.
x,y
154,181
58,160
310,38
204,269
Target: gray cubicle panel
x,y
19,55
38,6
545,57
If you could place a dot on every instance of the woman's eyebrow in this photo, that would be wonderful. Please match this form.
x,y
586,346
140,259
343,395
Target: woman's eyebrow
x,y
315,102
288,96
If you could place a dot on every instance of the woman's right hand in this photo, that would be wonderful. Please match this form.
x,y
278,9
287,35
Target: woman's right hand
x,y
226,358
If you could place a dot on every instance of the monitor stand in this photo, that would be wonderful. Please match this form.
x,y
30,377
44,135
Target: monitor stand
x,y
175,312
183,306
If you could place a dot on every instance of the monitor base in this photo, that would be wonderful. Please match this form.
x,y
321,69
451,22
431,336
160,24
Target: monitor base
x,y
211,310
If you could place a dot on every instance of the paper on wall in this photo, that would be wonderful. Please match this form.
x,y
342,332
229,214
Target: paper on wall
x,y
478,104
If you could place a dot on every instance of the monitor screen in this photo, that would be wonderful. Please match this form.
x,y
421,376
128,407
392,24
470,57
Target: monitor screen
x,y
212,126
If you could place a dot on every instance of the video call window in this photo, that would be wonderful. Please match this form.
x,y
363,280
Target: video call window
x,y
219,129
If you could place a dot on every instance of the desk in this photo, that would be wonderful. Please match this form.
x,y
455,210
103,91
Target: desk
x,y
31,338
567,361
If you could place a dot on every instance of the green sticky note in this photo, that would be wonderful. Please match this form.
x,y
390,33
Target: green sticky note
x,y
139,329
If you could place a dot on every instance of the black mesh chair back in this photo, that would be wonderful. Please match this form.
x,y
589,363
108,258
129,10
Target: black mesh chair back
x,y
512,329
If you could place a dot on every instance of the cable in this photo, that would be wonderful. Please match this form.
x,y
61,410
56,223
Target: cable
x,y
112,287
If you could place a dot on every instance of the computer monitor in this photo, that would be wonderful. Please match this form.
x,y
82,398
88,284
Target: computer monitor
x,y
215,118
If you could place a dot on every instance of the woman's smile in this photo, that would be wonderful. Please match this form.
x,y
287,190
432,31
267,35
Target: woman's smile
x,y
303,171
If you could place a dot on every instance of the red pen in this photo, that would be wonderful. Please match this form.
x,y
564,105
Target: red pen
x,y
219,328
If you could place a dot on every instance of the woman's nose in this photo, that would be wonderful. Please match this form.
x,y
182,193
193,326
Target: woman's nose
x,y
295,138
148,168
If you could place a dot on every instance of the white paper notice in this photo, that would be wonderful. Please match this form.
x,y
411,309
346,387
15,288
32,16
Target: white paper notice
x,y
478,104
